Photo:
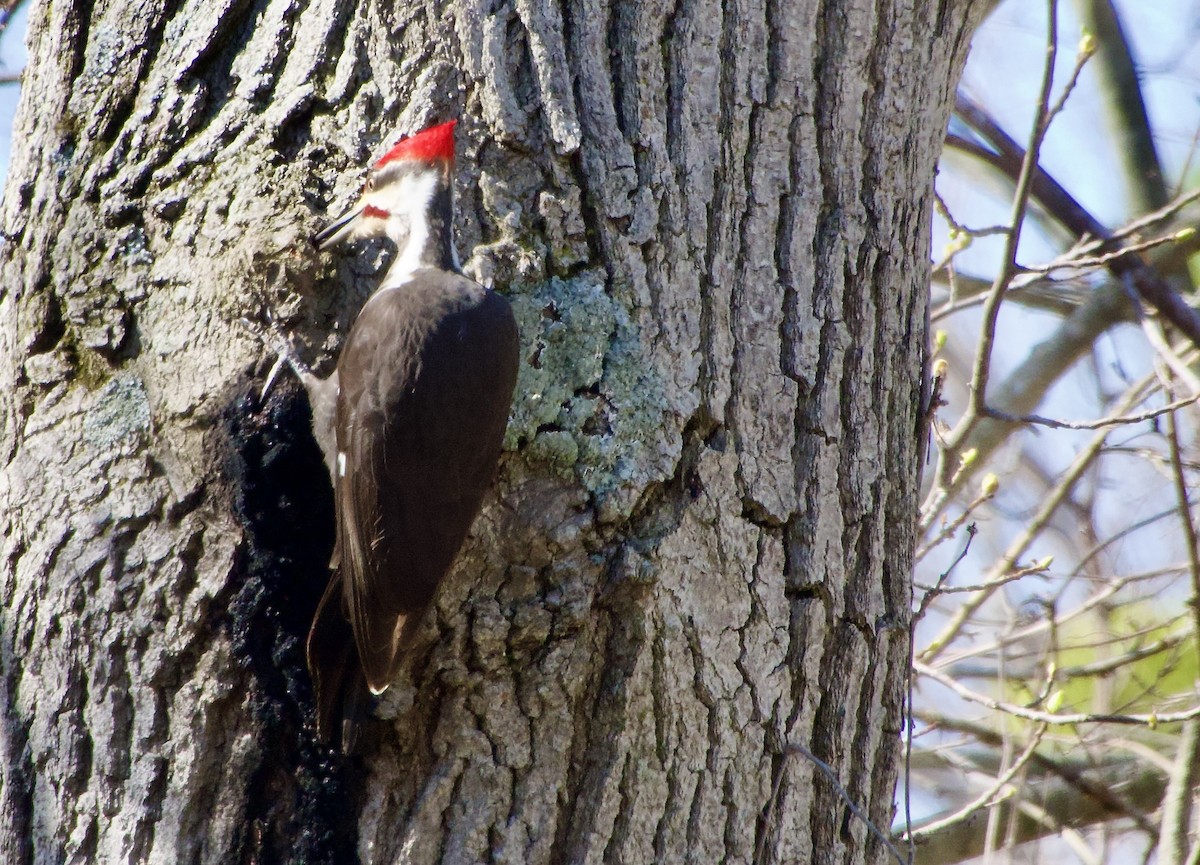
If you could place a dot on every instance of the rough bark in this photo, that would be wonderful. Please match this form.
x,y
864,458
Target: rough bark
x,y
713,220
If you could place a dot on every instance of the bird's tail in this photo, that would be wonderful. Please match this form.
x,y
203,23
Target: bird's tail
x,y
339,687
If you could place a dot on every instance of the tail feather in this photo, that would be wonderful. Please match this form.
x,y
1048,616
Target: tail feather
x,y
355,705
339,686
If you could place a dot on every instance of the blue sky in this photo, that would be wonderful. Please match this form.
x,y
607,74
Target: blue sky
x,y
12,60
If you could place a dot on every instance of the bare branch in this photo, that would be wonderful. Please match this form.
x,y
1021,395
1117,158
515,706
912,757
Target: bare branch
x,y
1008,157
1001,787
1100,423
1097,600
844,794
948,531
932,593
944,211
1075,260
1142,791
1108,666
1020,544
1185,509
1086,49
1177,801
1025,387
1029,163
1038,568
1073,772
1151,720
1152,219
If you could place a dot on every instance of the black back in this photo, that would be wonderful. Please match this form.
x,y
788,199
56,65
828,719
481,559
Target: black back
x,y
426,382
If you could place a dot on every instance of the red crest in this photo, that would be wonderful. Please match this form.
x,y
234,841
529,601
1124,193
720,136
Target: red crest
x,y
430,145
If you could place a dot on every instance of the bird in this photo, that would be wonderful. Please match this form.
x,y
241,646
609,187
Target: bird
x,y
411,426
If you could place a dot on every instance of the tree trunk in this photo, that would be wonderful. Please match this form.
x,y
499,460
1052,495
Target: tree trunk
x,y
713,222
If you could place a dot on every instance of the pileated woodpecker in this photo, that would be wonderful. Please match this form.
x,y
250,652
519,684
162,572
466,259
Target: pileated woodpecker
x,y
411,425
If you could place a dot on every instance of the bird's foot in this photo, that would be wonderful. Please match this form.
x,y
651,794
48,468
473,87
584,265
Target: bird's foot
x,y
272,336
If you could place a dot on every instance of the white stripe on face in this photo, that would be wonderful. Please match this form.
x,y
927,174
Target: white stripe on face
x,y
407,201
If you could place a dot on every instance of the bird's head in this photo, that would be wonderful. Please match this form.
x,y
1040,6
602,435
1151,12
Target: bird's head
x,y
399,189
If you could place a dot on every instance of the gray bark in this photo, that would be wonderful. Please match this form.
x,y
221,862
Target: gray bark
x,y
713,221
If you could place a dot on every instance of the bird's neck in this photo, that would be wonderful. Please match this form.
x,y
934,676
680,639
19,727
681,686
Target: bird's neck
x,y
427,239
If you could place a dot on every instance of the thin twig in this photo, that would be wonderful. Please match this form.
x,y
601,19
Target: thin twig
x,y
1039,568
1075,260
933,591
831,777
1151,219
1021,543
948,531
1108,666
1100,423
1151,720
1052,765
1097,600
1099,548
1085,54
989,796
991,306
944,212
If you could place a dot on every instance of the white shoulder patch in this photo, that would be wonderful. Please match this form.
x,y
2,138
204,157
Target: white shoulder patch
x,y
341,464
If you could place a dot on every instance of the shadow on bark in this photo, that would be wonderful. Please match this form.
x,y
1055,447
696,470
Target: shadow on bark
x,y
302,802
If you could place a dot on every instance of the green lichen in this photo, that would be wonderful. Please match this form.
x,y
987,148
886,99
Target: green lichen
x,y
565,328
589,403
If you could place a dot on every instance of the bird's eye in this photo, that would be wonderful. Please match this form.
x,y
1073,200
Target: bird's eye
x,y
370,184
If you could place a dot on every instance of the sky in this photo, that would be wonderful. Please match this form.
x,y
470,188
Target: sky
x,y
1003,74
12,60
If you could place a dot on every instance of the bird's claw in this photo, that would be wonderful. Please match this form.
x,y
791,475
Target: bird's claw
x,y
286,354
269,384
